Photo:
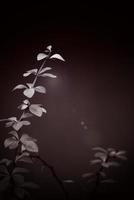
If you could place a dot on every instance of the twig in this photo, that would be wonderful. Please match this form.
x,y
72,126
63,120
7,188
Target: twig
x,y
51,168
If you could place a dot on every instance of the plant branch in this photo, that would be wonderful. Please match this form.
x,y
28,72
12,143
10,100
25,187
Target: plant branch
x,y
55,176
44,62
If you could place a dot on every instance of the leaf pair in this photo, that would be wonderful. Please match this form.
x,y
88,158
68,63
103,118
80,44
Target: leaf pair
x,y
15,123
35,109
27,143
41,73
29,90
47,54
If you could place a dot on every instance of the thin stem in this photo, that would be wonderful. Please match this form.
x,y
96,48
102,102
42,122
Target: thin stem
x,y
98,176
55,176
40,69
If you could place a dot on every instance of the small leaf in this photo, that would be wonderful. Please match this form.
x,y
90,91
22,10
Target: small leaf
x,y
48,75
24,157
119,153
45,69
32,71
19,170
6,161
101,155
111,149
99,149
26,137
31,146
68,181
103,174
26,101
11,143
108,181
41,56
113,164
23,106
12,119
9,124
29,92
87,175
29,143
96,161
36,110
19,87
15,134
26,123
30,185
17,126
122,157
40,89
26,115
57,56
44,110
49,48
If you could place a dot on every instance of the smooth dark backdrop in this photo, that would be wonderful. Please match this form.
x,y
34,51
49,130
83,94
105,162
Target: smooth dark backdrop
x,y
95,84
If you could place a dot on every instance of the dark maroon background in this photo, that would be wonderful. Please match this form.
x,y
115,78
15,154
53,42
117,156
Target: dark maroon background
x,y
95,84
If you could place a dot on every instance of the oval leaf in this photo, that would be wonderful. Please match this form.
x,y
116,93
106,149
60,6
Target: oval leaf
x,y
96,161
32,71
19,87
45,69
40,89
26,123
36,110
49,48
17,125
11,143
57,56
48,75
15,134
41,56
99,149
29,92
